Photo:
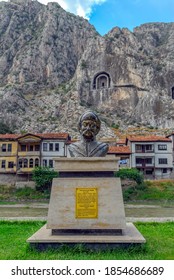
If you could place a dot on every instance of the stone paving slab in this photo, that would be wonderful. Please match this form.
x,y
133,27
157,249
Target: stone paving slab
x,y
128,219
22,205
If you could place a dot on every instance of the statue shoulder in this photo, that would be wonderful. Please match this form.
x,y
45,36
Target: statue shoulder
x,y
100,149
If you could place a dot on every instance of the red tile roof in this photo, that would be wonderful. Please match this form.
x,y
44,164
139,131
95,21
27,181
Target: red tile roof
x,y
119,150
42,135
58,135
150,138
9,136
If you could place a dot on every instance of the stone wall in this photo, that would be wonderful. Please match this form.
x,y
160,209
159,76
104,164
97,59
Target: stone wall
x,y
11,179
20,185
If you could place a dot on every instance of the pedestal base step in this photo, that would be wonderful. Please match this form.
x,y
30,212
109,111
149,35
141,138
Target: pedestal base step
x,y
43,237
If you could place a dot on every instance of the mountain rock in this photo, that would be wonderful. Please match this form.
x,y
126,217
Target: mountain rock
x,y
54,65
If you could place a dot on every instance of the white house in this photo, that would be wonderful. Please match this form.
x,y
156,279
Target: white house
x,y
53,145
152,155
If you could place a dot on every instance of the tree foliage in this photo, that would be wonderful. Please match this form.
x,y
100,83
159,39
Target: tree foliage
x,y
43,176
130,173
4,128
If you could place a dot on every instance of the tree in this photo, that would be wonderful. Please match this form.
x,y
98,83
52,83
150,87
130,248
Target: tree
x,y
4,128
43,177
130,173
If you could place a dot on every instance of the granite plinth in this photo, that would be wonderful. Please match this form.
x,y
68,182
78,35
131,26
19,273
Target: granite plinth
x,y
62,207
84,164
130,235
86,208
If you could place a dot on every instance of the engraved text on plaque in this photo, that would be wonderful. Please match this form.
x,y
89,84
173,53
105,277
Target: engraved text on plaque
x,y
86,203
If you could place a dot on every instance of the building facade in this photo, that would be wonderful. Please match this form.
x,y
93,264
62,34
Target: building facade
x,y
19,154
151,155
123,153
8,153
52,146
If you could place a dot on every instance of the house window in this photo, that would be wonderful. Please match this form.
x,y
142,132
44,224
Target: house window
x,y
164,170
37,148
3,164
51,163
148,147
56,147
44,162
25,163
162,147
20,163
139,160
10,164
36,162
162,160
3,147
51,147
9,147
31,163
44,147
23,148
148,160
31,148
138,148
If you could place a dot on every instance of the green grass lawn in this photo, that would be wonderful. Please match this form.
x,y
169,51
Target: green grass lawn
x,y
159,245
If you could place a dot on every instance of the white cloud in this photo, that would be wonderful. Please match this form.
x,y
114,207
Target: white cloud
x,y
81,8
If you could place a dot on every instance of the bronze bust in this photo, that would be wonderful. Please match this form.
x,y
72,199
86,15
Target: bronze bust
x,y
89,126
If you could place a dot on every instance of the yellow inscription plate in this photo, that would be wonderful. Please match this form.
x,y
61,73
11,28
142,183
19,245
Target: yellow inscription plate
x,y
86,203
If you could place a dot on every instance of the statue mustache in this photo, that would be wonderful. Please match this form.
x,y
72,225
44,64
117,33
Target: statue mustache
x,y
88,130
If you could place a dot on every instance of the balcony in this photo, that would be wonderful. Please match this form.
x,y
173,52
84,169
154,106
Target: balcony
x,y
145,165
144,151
29,153
144,162
148,148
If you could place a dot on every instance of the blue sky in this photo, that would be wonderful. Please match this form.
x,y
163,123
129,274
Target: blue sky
x,y
130,13
106,14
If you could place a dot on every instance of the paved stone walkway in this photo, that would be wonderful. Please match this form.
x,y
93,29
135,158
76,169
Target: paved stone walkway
x,y
128,219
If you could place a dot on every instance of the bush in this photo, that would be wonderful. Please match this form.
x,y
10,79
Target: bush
x,y
130,173
4,128
43,177
114,125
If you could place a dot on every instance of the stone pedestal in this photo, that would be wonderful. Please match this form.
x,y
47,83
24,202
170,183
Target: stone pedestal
x,y
86,206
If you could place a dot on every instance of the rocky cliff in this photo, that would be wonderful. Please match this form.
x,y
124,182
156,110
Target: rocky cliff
x,y
54,65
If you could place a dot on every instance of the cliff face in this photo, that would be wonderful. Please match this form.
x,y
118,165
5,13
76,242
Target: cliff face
x,y
40,44
140,65
54,65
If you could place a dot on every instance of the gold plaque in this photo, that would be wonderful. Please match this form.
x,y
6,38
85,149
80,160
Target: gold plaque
x,y
86,203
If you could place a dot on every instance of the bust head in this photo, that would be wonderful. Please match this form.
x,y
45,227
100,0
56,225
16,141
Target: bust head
x,y
89,125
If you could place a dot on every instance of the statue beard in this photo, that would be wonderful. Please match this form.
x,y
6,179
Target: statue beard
x,y
88,134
